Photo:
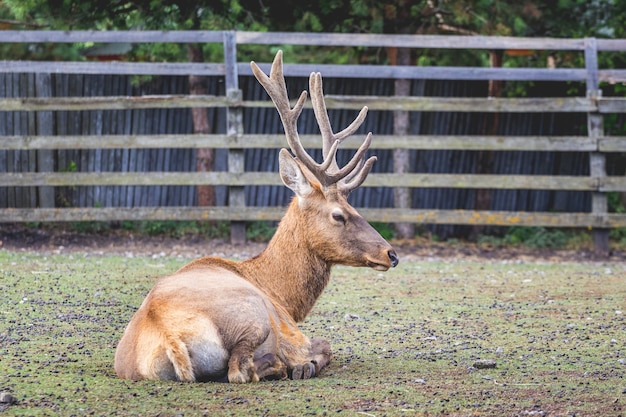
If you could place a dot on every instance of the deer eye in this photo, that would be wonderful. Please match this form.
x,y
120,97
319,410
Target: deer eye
x,y
339,217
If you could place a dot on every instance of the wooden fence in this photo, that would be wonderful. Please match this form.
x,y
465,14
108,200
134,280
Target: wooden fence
x,y
235,140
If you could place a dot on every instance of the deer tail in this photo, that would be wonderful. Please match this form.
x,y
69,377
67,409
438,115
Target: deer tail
x,y
178,354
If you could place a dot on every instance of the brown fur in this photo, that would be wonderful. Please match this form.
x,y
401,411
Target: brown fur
x,y
217,320
288,276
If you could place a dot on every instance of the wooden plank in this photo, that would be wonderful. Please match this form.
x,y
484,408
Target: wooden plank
x,y
299,38
611,105
121,68
429,73
475,142
612,144
107,141
234,128
4,155
276,141
597,160
618,45
462,104
495,218
408,41
221,213
113,102
45,159
58,179
29,125
445,104
117,36
591,65
612,76
453,104
511,182
241,179
608,184
303,70
387,215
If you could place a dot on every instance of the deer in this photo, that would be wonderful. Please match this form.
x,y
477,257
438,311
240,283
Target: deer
x,y
217,319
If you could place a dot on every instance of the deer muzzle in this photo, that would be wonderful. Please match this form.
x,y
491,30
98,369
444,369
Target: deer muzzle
x,y
393,258
380,265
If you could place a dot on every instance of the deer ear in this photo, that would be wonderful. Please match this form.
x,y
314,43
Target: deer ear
x,y
292,175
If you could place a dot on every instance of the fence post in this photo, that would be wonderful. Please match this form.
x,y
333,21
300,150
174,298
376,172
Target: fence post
x,y
45,157
234,127
401,161
597,160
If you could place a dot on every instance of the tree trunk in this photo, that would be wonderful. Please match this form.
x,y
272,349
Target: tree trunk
x,y
401,160
622,196
205,161
485,158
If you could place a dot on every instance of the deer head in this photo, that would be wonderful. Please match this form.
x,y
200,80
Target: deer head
x,y
335,230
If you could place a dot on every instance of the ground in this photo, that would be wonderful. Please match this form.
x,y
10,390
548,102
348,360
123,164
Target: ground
x,y
457,329
62,240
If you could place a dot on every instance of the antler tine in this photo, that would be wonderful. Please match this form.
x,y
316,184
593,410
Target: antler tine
x,y
357,178
277,90
353,163
327,173
356,170
321,114
330,141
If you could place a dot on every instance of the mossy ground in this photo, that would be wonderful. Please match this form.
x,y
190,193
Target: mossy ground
x,y
405,341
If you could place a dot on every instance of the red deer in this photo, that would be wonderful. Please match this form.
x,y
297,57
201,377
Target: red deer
x,y
221,320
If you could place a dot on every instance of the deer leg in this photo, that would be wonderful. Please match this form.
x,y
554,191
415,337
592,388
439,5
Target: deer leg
x,y
321,354
270,367
304,371
241,366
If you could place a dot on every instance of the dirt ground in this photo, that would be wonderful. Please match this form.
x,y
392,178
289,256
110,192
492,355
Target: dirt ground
x,y
59,240
410,349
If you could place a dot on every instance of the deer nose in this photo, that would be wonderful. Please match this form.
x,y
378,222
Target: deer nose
x,y
393,257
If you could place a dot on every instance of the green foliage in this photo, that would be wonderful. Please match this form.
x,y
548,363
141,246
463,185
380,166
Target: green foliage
x,y
538,237
619,236
532,237
490,241
260,231
386,230
174,228
71,167
616,205
613,125
159,227
89,227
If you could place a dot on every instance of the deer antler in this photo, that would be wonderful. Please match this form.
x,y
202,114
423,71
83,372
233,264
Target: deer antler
x,y
328,172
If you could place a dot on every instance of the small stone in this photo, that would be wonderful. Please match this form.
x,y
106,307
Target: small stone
x,y
6,398
484,364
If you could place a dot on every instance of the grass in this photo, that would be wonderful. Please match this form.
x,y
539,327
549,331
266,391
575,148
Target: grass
x,y
405,341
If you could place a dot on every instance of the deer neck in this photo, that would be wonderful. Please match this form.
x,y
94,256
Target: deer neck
x,y
288,270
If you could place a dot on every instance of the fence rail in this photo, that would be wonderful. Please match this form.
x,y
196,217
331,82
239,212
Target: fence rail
x,y
272,141
593,106
468,217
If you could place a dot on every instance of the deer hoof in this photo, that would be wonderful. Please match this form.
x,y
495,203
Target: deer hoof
x,y
306,371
